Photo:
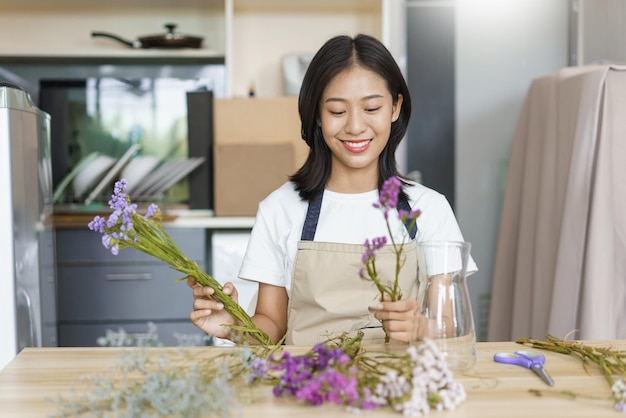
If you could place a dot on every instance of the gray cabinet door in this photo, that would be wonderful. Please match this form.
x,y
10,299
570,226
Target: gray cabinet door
x,y
129,292
85,246
98,291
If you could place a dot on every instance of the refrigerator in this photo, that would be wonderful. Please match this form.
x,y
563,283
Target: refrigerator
x,y
27,272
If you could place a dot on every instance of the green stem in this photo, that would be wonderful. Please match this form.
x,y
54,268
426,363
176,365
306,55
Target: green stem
x,y
610,362
150,238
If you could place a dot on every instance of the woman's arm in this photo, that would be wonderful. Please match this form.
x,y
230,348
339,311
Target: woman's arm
x,y
271,311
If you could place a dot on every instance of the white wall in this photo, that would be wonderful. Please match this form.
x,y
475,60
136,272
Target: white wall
x,y
601,31
501,46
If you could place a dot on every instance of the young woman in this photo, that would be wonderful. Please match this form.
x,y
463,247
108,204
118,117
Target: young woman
x,y
307,242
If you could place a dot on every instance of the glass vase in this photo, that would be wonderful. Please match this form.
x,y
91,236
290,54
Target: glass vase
x,y
444,306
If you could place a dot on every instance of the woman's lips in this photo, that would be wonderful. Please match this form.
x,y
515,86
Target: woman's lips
x,y
357,146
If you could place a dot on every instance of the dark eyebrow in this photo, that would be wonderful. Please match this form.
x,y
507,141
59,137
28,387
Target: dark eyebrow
x,y
337,99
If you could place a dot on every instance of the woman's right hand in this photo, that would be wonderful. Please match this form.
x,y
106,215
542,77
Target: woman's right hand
x,y
208,314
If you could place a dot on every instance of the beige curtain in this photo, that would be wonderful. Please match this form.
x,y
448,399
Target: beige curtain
x,y
560,263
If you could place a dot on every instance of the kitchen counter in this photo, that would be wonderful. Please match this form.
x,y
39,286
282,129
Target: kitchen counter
x,y
173,219
493,389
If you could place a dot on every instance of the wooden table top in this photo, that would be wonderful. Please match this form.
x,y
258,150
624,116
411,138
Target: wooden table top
x,y
493,389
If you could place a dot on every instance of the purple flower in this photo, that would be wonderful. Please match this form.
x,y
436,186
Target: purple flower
x,y
320,376
362,272
621,407
119,225
97,224
112,220
412,215
370,248
106,241
258,369
388,197
152,211
370,401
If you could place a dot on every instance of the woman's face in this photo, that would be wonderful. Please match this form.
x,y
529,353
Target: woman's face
x,y
356,113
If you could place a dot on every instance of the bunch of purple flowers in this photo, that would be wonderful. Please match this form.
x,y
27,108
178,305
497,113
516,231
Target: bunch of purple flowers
x,y
388,201
340,372
323,375
125,227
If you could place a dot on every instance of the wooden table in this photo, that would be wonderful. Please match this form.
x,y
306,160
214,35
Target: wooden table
x,y
493,389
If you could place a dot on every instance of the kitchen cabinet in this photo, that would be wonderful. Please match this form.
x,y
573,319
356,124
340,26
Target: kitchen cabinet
x,y
98,291
250,37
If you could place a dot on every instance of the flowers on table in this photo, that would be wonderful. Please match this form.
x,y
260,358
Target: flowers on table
x,y
323,375
194,382
388,200
341,372
125,228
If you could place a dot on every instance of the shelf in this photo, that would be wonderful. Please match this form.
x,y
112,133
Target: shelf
x,y
139,57
213,223
39,28
182,219
286,6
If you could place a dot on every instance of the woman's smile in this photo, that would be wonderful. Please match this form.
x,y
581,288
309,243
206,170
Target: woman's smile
x,y
356,145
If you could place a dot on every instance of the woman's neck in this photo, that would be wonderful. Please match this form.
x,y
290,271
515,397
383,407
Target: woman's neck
x,y
353,181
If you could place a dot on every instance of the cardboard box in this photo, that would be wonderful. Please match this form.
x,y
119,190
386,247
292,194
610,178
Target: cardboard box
x,y
246,173
257,145
273,120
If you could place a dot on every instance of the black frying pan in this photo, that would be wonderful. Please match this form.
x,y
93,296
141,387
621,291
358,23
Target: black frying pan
x,y
170,39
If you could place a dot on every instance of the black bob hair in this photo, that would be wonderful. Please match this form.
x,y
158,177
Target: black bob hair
x,y
337,54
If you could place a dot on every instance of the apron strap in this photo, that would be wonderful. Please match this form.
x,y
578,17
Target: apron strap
x,y
313,214
403,204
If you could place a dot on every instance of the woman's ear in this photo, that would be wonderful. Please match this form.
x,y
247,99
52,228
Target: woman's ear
x,y
397,106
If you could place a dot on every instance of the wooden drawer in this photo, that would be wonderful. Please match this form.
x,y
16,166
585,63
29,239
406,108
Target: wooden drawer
x,y
85,246
86,335
130,292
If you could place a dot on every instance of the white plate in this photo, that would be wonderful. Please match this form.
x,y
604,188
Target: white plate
x,y
168,174
137,169
153,178
110,175
182,170
91,173
171,169
60,190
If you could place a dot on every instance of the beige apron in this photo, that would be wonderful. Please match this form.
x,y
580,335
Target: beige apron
x,y
328,297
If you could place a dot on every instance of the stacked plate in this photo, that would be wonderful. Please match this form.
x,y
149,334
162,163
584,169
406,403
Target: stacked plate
x,y
148,176
164,177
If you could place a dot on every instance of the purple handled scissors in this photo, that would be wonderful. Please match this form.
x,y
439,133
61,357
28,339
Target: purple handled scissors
x,y
530,359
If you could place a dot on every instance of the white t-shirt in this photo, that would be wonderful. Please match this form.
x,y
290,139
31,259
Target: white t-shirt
x,y
344,218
